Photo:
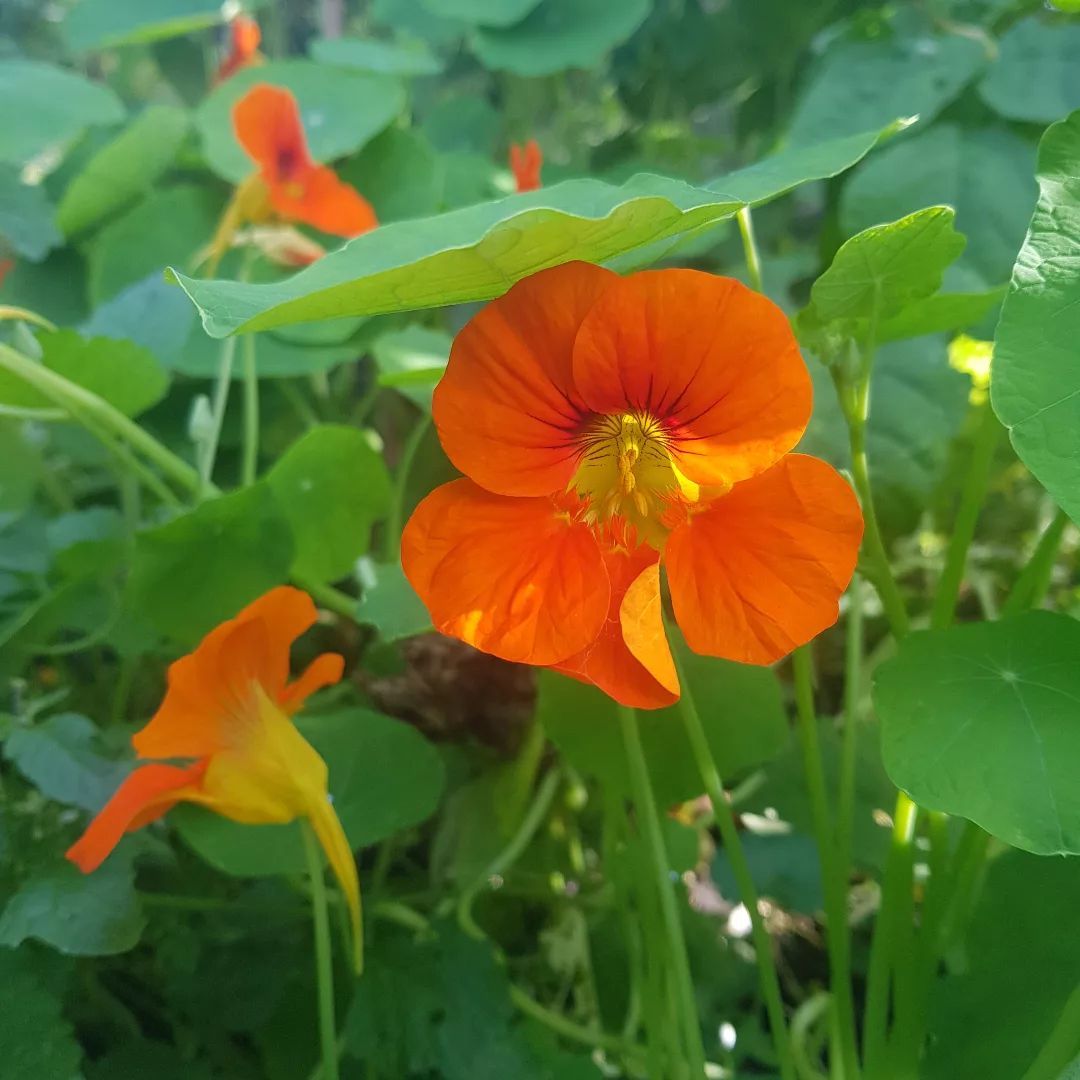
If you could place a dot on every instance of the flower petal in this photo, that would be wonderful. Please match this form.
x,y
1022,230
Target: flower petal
x,y
144,796
506,409
325,202
324,670
513,577
630,660
715,361
267,124
761,570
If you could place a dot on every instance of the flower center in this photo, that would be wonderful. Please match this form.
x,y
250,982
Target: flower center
x,y
626,471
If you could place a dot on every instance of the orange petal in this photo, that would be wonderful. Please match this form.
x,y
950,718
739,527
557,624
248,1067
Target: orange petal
x,y
525,163
321,200
144,796
715,361
267,124
512,577
212,685
760,571
506,409
630,659
325,670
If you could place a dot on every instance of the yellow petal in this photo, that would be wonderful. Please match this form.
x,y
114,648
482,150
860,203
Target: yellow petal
x,y
642,621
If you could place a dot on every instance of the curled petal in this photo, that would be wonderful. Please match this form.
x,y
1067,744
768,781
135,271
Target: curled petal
x,y
325,670
715,362
761,570
513,577
506,409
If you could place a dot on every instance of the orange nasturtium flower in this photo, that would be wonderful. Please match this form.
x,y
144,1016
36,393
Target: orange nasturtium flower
x,y
606,425
223,738
244,39
525,163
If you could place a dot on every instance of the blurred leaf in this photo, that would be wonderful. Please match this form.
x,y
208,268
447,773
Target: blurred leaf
x,y
60,757
22,466
785,867
205,565
79,914
124,168
992,1020
97,24
412,361
740,708
333,130
1035,77
124,374
138,1060
984,174
1035,381
332,487
390,604
378,57
411,19
46,106
462,123
470,254
55,288
980,721
275,358
484,12
86,542
859,85
26,217
398,173
384,777
559,34
36,1041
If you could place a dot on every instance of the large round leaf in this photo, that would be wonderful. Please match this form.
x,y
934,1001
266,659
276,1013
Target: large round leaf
x,y
484,12
26,216
378,57
983,721
384,777
95,24
341,109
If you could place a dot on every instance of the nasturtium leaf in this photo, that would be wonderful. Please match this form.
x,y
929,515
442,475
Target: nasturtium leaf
x,y
411,19
469,254
97,24
321,91
941,313
171,225
124,374
60,757
559,34
378,57
785,867
47,106
27,218
124,169
54,288
412,361
87,542
390,603
739,705
484,12
1035,77
138,1059
398,173
202,567
981,721
992,1019
79,914
332,487
36,1041
384,777
859,85
462,123
275,358
1035,380
985,174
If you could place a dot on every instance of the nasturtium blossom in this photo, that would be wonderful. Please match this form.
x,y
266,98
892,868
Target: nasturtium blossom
x,y
244,39
525,163
609,425
223,739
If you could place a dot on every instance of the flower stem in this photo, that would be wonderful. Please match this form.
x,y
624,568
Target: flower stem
x,y
250,466
208,451
750,251
1030,587
674,947
853,649
324,970
392,539
729,834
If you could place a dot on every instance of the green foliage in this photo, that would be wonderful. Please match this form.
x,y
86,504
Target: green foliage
x,y
378,57
94,24
36,1041
27,218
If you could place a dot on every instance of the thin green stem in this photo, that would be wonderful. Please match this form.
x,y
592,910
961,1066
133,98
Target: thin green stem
x,y
750,251
1031,586
324,969
1062,1046
208,449
674,948
837,937
250,460
729,834
985,444
394,519
968,865
853,658
806,1019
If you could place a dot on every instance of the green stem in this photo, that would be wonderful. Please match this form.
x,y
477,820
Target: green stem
x,y
837,937
401,481
729,834
804,1021
250,461
967,515
1031,586
750,251
324,971
1062,1046
674,948
968,865
853,649
208,450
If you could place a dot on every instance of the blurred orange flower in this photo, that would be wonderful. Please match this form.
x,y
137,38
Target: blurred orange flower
x,y
607,425
223,738
525,163
244,39
6,266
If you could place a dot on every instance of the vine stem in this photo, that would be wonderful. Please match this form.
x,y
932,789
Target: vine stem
x,y
1030,587
250,460
729,834
853,650
675,945
750,250
223,379
324,970
401,481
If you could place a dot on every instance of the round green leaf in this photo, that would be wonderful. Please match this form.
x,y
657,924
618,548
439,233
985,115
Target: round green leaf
x,y
484,12
275,358
981,721
390,603
331,486
1036,76
384,777
398,173
377,57
341,109
26,217
96,24
560,34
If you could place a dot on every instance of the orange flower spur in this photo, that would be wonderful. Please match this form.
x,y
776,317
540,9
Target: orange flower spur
x,y
525,163
223,738
244,39
607,426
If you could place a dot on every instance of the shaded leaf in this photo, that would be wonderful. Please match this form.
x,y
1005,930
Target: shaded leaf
x,y
378,57
95,24
390,604
27,222
36,1041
